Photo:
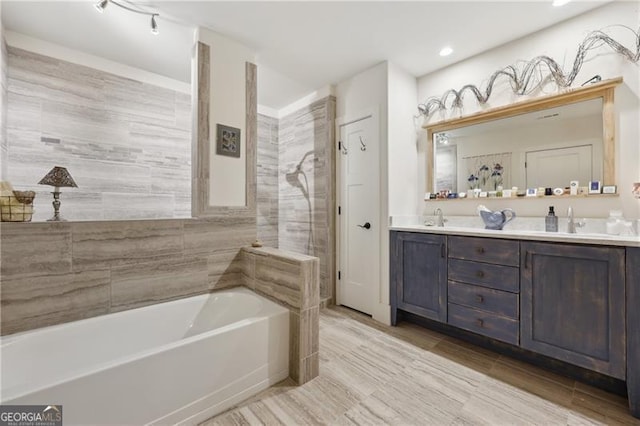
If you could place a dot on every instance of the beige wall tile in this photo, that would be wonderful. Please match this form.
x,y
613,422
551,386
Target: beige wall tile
x,y
309,368
99,244
144,284
221,233
278,278
225,269
310,283
294,346
248,269
309,332
39,301
35,248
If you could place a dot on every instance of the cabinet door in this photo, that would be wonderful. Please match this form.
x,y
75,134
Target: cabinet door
x,y
573,304
633,329
419,274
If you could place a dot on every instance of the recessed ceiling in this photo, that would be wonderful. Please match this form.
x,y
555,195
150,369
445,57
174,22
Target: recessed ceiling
x,y
301,46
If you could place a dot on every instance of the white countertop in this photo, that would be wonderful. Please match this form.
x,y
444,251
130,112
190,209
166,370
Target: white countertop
x,y
473,227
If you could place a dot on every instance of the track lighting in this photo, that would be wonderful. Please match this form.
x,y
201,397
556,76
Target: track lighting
x,y
100,6
154,25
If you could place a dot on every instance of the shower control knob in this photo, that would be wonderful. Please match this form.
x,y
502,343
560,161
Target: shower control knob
x,y
367,225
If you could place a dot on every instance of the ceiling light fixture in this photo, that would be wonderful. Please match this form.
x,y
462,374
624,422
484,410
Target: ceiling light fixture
x,y
102,4
154,25
558,3
446,51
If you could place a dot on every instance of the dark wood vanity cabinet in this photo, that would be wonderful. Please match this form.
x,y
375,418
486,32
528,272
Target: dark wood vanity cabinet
x,y
419,275
483,287
570,302
573,301
633,329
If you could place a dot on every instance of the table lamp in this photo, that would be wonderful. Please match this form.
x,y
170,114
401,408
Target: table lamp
x,y
57,177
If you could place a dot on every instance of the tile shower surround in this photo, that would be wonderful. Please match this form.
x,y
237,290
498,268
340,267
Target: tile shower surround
x,y
310,129
267,180
126,143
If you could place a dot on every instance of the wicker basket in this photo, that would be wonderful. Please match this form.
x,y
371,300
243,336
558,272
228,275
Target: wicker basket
x,y
17,207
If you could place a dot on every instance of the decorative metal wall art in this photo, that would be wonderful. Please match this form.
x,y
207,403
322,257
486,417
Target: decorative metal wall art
x,y
535,73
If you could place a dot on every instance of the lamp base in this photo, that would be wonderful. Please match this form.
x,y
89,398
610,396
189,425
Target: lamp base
x,y
56,207
56,219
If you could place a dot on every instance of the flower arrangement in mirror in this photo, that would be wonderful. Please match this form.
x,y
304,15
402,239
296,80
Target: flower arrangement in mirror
x,y
486,178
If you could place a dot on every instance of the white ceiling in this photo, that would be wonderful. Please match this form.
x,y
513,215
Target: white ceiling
x,y
301,46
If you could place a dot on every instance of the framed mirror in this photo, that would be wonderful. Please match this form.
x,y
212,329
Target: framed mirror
x,y
545,142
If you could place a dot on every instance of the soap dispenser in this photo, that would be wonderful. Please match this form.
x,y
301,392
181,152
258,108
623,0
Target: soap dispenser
x,y
551,221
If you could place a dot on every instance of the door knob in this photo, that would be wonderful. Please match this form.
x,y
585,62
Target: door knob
x,y
367,225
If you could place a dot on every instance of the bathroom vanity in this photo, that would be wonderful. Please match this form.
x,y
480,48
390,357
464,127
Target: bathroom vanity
x,y
545,298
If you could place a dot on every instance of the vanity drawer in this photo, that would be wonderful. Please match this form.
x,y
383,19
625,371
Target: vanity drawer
x,y
489,300
500,277
485,323
490,250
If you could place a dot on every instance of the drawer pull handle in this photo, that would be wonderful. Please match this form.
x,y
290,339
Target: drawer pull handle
x,y
480,250
479,323
480,274
479,298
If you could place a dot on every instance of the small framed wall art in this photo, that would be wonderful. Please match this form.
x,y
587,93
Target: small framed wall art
x,y
595,187
228,141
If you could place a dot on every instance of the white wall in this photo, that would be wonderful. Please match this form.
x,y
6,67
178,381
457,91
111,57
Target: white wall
x,y
227,106
366,92
403,138
559,42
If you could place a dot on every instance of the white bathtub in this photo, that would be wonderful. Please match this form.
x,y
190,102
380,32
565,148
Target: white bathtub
x,y
180,361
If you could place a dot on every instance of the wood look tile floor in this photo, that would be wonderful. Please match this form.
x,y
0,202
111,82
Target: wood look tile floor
x,y
371,374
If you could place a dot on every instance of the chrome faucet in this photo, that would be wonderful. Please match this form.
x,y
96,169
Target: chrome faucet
x,y
572,224
439,217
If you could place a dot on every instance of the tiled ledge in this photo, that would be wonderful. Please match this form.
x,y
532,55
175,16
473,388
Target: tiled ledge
x,y
292,280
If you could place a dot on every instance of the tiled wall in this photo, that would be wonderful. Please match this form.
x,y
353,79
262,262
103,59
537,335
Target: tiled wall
x,y
307,196
127,144
58,272
3,108
267,176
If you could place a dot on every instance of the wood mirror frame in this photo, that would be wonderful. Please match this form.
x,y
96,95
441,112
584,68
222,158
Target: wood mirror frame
x,y
200,204
604,90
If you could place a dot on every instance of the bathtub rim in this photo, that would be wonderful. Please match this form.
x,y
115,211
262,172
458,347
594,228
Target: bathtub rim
x,y
140,354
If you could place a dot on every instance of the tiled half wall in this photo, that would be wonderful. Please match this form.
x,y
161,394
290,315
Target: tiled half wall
x,y
292,280
58,272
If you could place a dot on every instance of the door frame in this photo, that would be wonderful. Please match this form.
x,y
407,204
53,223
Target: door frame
x,y
372,113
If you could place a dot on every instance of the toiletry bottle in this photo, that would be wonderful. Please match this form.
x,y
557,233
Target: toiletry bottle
x,y
551,221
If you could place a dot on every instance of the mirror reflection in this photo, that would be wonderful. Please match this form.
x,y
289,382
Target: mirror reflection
x,y
547,148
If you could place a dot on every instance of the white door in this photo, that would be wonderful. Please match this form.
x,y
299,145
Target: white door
x,y
359,215
551,168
